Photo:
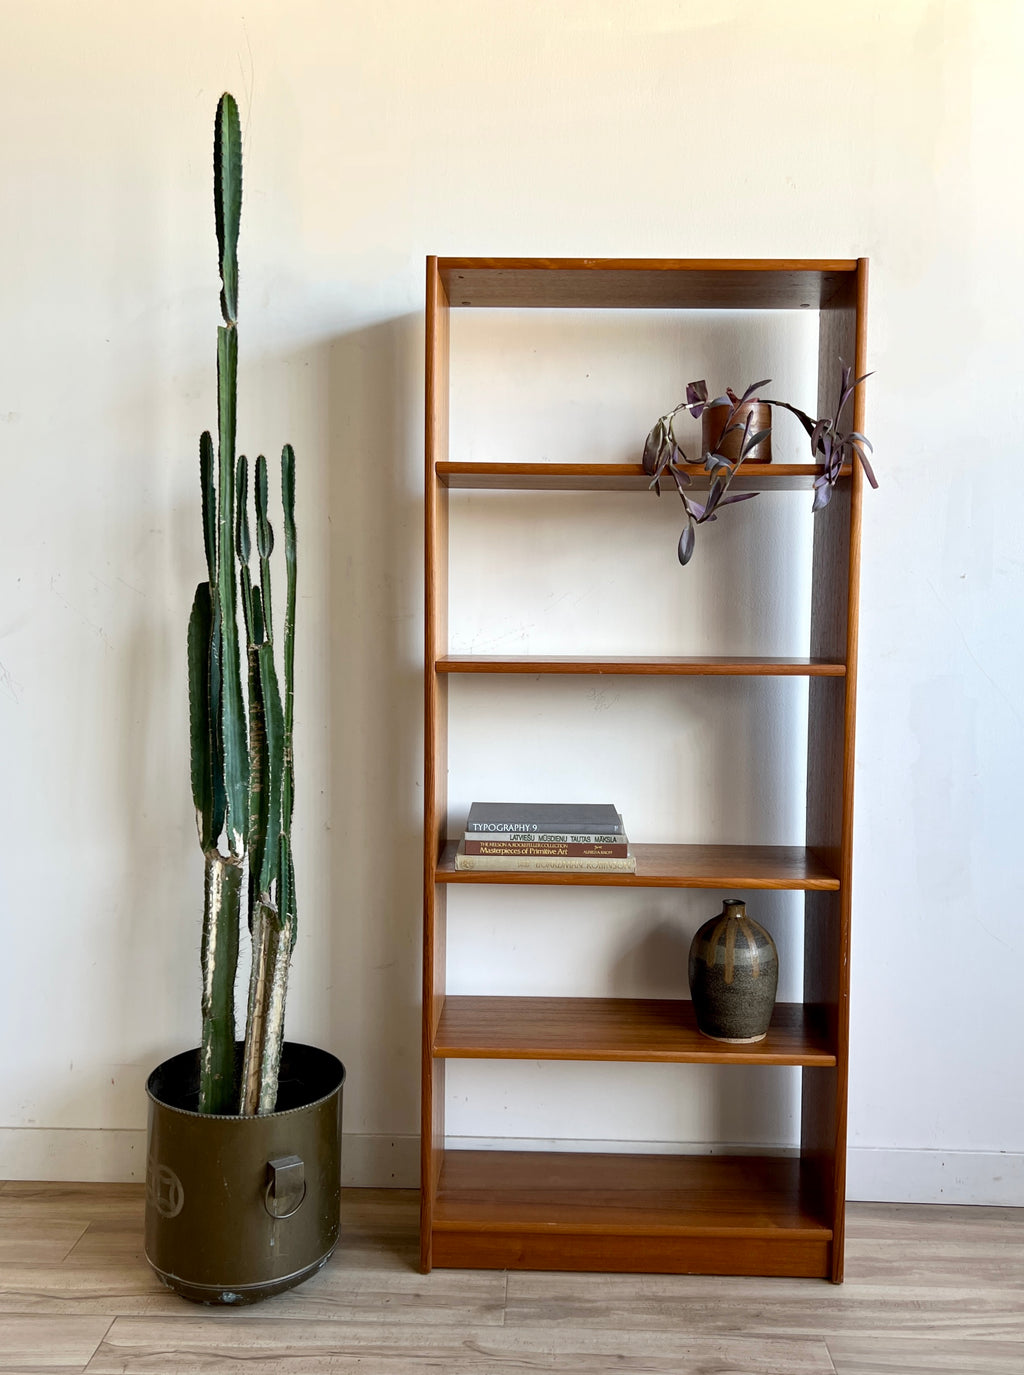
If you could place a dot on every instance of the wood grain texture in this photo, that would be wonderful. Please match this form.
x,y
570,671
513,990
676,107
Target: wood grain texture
x,y
31,1342
674,866
640,665
633,1195
896,1355
42,1242
625,283
615,477
928,1289
263,1347
830,756
617,1029
435,737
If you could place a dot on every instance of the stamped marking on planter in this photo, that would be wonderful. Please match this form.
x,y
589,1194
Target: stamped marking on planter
x,y
164,1190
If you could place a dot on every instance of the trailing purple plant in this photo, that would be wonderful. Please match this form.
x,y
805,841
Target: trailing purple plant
x,y
664,457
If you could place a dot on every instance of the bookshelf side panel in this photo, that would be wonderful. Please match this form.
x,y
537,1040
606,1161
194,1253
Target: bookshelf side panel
x,y
435,742
831,726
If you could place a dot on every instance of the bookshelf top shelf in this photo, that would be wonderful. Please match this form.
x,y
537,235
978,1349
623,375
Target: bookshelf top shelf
x,y
647,283
616,477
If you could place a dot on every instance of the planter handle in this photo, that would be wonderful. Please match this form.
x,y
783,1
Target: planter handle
x,y
286,1180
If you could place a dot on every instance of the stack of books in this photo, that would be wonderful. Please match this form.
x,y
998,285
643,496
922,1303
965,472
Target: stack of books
x,y
545,837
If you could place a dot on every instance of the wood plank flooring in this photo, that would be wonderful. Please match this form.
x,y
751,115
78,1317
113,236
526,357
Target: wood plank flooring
x,y
929,1291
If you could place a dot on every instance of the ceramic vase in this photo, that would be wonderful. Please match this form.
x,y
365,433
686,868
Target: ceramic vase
x,y
734,973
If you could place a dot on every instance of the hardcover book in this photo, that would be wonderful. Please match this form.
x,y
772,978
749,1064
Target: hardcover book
x,y
546,837
550,864
528,846
526,818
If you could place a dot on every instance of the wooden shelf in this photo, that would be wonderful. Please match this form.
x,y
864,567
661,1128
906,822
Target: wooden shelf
x,y
728,665
678,1214
634,1029
673,866
617,477
629,283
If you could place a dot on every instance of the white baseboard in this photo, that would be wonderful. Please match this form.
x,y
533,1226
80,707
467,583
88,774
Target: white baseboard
x,y
884,1175
119,1157
879,1175
87,1155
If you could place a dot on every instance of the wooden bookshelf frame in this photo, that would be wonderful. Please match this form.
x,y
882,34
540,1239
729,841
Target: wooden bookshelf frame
x,y
711,1214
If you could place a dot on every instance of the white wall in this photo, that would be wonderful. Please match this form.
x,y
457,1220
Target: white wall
x,y
375,134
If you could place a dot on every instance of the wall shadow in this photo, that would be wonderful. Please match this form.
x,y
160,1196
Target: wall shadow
x,y
373,611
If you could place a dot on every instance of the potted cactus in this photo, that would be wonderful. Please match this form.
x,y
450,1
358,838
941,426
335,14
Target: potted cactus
x,y
243,1168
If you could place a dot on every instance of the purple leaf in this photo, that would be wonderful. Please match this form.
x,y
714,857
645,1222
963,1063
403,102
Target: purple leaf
x,y
862,438
802,416
867,468
822,496
719,486
753,441
715,463
734,497
753,388
696,391
687,541
654,446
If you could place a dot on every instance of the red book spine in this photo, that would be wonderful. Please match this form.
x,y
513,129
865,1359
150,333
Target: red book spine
x,y
611,850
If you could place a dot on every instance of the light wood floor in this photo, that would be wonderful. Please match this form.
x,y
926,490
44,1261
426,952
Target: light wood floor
x,y
936,1290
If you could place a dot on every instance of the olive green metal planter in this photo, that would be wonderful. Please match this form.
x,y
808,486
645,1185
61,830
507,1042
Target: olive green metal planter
x,y
239,1208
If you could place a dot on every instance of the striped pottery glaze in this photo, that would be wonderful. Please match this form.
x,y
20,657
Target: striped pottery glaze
x,y
734,973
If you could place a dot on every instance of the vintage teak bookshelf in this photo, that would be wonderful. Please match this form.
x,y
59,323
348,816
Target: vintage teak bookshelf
x,y
705,1214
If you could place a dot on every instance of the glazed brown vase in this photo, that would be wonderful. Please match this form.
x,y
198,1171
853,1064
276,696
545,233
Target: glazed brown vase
x,y
713,423
734,975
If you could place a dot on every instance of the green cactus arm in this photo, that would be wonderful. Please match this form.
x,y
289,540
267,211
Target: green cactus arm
x,y
258,790
208,483
242,542
227,200
264,541
216,719
273,721
258,626
286,888
236,756
288,505
203,753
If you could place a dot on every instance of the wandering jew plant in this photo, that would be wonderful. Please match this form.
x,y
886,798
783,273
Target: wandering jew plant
x,y
241,726
663,454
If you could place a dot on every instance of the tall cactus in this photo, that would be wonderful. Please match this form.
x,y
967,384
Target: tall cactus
x,y
242,780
